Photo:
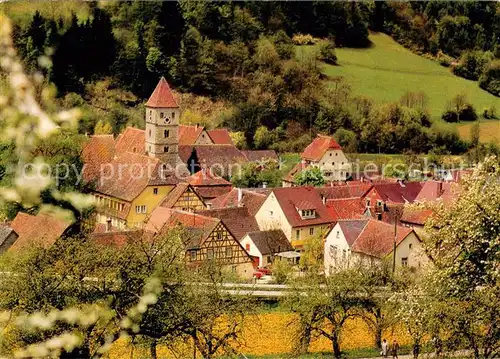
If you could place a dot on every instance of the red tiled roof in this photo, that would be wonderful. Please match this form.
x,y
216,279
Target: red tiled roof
x,y
352,229
131,140
211,192
220,136
162,96
42,230
289,197
116,238
128,174
237,219
189,134
207,178
165,217
98,150
416,216
260,155
346,208
432,190
344,191
250,199
377,238
398,192
318,147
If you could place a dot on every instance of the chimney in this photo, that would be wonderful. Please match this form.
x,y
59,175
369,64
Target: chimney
x,y
108,225
240,196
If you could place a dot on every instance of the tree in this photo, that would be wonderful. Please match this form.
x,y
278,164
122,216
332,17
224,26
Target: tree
x,y
262,138
310,177
324,308
347,139
103,128
490,78
463,241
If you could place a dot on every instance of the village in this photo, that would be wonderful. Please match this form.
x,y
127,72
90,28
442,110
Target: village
x,y
148,182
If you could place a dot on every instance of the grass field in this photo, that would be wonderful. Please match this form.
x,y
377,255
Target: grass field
x,y
22,11
489,130
386,71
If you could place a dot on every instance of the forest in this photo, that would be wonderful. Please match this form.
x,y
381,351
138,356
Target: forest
x,y
235,64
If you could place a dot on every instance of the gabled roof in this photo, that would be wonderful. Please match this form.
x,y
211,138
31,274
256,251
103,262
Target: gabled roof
x,y
346,208
210,192
220,136
251,199
162,96
40,230
236,219
377,238
289,197
352,229
164,218
131,140
174,195
116,238
128,174
318,147
344,191
398,192
270,242
260,155
97,151
189,134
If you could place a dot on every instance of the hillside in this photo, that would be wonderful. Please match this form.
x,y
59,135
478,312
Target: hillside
x,y
386,70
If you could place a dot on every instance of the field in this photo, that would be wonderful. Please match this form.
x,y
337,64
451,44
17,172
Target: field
x,y
386,71
489,131
271,335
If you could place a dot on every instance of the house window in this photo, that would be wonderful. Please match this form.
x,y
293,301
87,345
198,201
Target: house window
x,y
173,115
379,216
271,213
308,213
338,234
247,247
269,259
336,153
165,149
297,234
229,252
162,115
210,253
166,133
404,262
155,190
367,202
140,209
311,231
219,235
149,133
333,251
149,148
409,246
333,163
193,255
344,254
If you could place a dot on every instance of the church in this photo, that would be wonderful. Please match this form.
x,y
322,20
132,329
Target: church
x,y
138,170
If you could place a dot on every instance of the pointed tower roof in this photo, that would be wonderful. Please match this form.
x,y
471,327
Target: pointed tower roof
x,y
162,96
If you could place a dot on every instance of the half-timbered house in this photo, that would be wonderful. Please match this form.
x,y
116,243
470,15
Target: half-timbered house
x,y
206,238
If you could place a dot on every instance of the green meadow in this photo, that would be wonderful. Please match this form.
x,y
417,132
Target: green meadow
x,y
386,71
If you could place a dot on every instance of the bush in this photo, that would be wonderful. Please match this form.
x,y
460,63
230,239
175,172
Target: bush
x,y
472,64
300,39
467,113
490,113
327,53
490,78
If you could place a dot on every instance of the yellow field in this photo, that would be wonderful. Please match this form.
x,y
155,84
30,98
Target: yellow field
x,y
270,333
489,131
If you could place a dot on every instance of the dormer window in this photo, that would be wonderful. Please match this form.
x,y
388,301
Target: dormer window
x,y
307,213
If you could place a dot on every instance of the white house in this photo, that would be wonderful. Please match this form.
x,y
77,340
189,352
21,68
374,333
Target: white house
x,y
368,242
265,245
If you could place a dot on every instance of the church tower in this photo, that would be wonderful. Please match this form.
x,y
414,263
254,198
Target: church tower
x,y
162,125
